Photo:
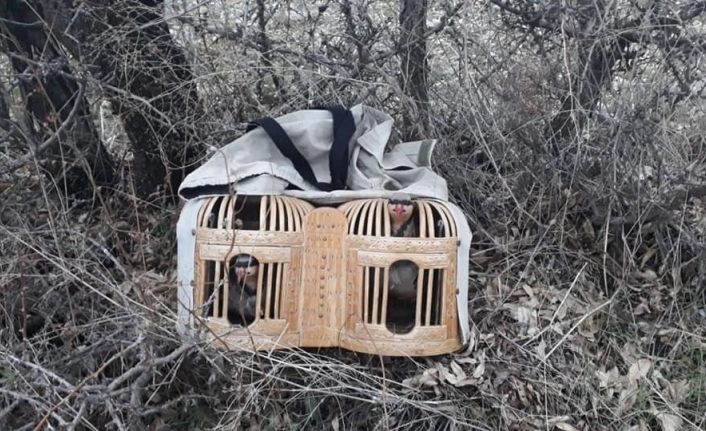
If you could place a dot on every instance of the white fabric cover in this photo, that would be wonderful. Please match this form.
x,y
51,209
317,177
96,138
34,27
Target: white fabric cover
x,y
253,165
256,166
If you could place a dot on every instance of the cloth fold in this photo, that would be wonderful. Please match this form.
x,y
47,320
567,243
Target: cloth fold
x,y
254,165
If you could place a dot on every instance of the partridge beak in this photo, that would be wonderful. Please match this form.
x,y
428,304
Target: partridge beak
x,y
239,274
399,210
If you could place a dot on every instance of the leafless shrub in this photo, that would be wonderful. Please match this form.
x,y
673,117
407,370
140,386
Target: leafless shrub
x,y
571,133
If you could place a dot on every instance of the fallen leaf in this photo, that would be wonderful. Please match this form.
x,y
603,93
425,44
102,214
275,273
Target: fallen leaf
x,y
669,421
565,426
541,349
480,369
639,370
458,371
608,378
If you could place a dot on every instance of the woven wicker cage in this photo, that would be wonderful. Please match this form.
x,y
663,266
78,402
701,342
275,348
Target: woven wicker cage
x,y
268,229
426,325
323,276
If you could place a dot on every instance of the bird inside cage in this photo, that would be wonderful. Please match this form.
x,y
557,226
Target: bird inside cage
x,y
242,289
402,296
403,217
402,288
246,224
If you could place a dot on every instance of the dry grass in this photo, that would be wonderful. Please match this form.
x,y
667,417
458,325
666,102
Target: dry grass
x,y
588,275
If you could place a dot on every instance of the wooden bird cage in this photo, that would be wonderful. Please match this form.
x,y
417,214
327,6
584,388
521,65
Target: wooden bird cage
x,y
426,325
268,228
324,274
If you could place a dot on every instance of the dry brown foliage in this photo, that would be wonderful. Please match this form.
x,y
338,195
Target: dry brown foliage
x,y
571,133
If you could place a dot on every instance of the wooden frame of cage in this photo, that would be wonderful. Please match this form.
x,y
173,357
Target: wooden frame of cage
x,y
320,296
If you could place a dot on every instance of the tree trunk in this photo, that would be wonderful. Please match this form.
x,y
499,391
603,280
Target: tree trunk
x,y
414,68
596,63
4,106
596,59
55,101
148,79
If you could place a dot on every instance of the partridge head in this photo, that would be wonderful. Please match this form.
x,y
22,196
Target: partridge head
x,y
401,212
243,272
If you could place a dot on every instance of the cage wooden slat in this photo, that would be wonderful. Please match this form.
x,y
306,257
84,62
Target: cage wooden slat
x,y
281,203
431,232
385,293
207,213
386,222
360,219
430,296
238,207
222,209
441,219
447,220
264,203
232,202
357,214
202,210
353,216
289,218
216,288
402,245
226,293
423,260
269,288
298,216
440,280
259,292
376,294
346,209
272,213
366,218
265,253
366,288
422,220
452,223
278,288
371,222
418,311
377,216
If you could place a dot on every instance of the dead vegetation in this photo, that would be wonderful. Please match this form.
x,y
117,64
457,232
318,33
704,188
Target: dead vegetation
x,y
572,136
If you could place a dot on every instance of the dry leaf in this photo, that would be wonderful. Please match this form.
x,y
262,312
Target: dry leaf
x,y
480,369
669,422
427,378
608,378
647,256
458,371
647,275
679,390
565,426
541,349
524,315
639,370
